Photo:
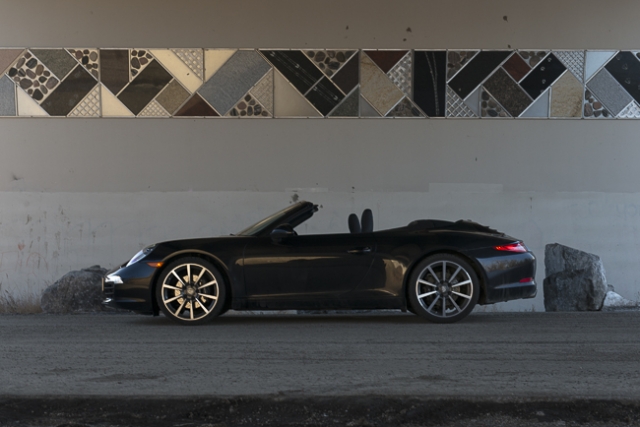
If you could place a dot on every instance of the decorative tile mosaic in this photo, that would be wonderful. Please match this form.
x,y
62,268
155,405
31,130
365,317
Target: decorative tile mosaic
x,y
456,106
593,108
197,82
89,106
631,111
329,61
490,107
89,58
456,59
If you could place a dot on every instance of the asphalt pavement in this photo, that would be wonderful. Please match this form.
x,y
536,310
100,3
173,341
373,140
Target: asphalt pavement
x,y
486,356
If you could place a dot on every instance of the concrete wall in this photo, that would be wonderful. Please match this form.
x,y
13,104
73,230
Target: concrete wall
x,y
93,191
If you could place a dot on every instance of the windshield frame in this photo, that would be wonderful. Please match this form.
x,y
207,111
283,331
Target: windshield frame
x,y
273,220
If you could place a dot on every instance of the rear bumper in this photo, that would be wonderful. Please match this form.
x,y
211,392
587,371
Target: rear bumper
x,y
506,276
130,288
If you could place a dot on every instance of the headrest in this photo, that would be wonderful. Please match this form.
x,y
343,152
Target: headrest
x,y
367,221
354,224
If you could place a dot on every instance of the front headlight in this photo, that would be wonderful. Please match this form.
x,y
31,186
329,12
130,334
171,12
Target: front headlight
x,y
140,255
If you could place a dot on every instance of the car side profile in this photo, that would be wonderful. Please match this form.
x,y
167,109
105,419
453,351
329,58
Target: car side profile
x,y
439,270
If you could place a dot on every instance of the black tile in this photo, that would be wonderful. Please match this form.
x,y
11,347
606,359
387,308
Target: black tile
x,y
507,92
348,76
114,68
295,66
543,76
325,96
69,93
476,71
625,68
429,81
145,87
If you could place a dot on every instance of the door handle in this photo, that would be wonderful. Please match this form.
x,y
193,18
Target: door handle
x,y
358,251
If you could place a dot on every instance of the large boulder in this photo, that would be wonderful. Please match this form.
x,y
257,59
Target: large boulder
x,y
575,280
76,292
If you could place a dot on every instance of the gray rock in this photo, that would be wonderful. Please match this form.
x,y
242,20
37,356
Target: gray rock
x,y
614,302
76,292
575,280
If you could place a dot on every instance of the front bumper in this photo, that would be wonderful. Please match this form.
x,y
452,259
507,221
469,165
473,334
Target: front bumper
x,y
132,291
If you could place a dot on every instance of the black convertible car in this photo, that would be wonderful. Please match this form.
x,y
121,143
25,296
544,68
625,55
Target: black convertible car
x,y
436,269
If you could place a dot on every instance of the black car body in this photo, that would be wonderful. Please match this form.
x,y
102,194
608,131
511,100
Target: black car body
x,y
269,267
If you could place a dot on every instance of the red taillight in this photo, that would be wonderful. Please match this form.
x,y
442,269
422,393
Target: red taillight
x,y
513,247
526,280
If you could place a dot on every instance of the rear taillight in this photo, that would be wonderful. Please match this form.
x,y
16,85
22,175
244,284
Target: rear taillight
x,y
513,247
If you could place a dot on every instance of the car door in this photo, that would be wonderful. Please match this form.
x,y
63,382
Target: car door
x,y
306,267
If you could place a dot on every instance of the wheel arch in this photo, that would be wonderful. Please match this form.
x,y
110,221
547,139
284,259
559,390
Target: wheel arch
x,y
222,268
472,262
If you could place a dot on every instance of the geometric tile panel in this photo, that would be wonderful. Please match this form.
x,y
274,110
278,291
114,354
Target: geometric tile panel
x,y
319,83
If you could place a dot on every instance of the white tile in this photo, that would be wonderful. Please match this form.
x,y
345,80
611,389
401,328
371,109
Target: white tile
x,y
595,60
214,59
288,102
27,106
540,108
178,68
111,106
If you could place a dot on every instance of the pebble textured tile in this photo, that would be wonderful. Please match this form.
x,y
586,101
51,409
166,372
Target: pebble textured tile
x,y
593,108
401,74
609,91
631,111
456,106
248,107
89,106
456,59
89,58
573,60
138,61
566,97
7,57
33,77
193,58
489,107
329,61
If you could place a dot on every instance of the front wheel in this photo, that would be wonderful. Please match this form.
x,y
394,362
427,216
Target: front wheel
x,y
191,291
443,288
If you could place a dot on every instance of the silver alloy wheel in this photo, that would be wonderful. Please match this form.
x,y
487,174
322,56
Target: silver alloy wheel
x,y
444,289
190,291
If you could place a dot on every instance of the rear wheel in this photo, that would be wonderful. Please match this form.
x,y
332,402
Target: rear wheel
x,y
191,291
443,288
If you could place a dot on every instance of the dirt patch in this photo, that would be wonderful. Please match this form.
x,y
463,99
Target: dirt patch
x,y
322,412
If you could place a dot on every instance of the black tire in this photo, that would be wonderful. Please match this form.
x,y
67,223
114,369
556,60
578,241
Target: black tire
x,y
458,290
191,291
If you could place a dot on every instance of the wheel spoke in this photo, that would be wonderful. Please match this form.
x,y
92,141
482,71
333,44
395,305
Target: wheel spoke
x,y
444,271
461,295
454,303
433,273
424,282
173,299
200,275
172,287
191,309
466,282
444,307
189,273
178,277
206,285
453,276
179,310
202,305
433,303
427,294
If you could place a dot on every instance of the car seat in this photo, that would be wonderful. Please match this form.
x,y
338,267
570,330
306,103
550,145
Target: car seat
x,y
367,221
354,224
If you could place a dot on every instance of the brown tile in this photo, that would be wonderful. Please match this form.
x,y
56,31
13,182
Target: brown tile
x,y
516,67
386,59
7,56
172,96
196,107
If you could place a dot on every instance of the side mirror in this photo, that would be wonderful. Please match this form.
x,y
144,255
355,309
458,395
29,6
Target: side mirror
x,y
282,232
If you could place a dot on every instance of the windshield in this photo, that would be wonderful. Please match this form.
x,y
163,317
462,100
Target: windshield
x,y
267,222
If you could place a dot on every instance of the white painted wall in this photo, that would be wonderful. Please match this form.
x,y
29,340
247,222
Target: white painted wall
x,y
76,192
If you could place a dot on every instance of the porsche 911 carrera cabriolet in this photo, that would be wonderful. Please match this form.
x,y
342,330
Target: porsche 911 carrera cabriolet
x,y
436,269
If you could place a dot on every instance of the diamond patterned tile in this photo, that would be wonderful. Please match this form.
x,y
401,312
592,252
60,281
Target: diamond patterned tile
x,y
154,109
631,111
193,58
573,60
263,91
89,106
456,106
400,74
